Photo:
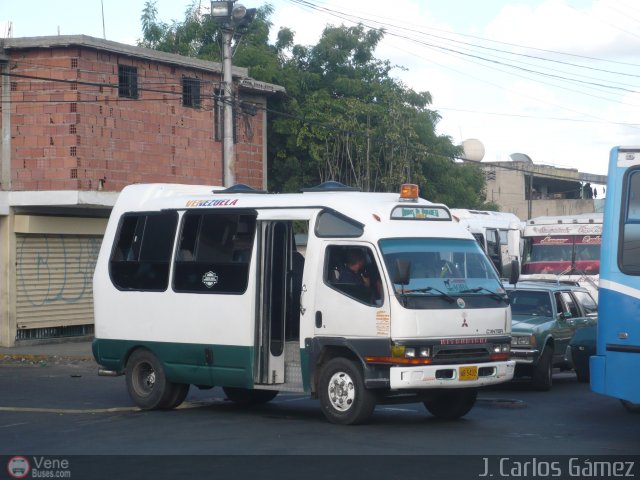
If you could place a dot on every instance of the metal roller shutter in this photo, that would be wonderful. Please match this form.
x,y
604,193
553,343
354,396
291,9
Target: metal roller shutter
x,y
54,279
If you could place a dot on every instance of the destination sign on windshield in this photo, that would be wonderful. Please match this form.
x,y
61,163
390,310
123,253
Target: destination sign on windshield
x,y
420,213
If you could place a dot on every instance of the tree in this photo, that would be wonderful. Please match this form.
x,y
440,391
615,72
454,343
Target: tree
x,y
343,118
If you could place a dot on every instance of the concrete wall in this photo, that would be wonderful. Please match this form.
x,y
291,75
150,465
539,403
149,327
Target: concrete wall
x,y
7,282
507,189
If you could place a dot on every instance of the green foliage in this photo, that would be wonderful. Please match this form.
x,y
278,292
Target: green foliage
x,y
344,117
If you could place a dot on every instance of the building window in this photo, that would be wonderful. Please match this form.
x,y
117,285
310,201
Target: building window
x,y
142,253
191,92
127,81
218,120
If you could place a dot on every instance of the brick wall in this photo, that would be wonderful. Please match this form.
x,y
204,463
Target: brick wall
x,y
76,136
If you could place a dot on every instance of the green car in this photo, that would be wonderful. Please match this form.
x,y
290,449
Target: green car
x,y
545,316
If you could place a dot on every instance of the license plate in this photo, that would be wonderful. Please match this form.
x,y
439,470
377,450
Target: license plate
x,y
468,373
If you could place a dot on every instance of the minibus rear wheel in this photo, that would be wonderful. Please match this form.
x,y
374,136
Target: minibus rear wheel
x,y
344,399
147,383
180,391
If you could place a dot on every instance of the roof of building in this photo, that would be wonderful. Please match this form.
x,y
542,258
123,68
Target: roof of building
x,y
58,41
570,174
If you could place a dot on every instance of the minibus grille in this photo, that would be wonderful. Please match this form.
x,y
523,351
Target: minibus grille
x,y
458,355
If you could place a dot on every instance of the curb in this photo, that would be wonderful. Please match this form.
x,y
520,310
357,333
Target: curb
x,y
23,358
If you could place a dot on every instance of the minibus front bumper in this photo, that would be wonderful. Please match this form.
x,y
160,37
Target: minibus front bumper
x,y
451,376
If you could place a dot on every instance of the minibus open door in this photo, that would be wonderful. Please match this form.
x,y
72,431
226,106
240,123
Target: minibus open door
x,y
274,263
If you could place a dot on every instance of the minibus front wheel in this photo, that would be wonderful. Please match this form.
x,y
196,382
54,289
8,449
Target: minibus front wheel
x,y
148,385
344,399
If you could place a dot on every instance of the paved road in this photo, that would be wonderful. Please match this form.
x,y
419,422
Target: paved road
x,y
67,409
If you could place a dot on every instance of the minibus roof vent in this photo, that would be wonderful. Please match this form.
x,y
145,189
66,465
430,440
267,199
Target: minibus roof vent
x,y
331,186
239,188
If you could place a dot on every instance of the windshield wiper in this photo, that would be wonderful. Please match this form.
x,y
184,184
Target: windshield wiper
x,y
444,295
494,295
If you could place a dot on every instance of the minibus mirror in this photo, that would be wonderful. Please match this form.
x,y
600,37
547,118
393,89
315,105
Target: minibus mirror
x,y
514,275
403,271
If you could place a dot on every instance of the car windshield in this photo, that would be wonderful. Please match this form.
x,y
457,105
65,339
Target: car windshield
x,y
449,266
530,303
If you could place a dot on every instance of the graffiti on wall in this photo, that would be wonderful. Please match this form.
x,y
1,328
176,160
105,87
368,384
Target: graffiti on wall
x,y
56,269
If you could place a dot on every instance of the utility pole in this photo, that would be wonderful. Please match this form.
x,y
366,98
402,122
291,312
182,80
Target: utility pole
x,y
228,147
231,18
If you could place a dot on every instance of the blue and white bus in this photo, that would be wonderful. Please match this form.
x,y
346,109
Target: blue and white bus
x,y
614,368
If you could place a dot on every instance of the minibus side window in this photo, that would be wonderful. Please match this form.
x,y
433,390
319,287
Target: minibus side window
x,y
332,224
214,252
352,271
142,253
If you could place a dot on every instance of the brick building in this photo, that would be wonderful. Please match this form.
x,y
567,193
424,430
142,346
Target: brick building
x,y
80,119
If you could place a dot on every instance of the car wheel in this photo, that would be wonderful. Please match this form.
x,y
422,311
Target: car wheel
x,y
146,381
246,396
451,405
542,377
630,406
344,399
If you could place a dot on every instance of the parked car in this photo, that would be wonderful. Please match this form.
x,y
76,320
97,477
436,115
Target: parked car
x,y
545,317
581,347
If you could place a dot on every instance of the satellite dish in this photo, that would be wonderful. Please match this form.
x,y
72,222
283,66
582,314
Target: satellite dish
x,y
521,157
473,150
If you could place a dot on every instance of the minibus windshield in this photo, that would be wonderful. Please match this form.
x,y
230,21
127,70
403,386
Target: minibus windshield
x,y
437,266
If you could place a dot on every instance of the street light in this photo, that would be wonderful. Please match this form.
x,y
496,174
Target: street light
x,y
230,17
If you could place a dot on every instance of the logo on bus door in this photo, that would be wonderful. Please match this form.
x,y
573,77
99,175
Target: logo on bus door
x,y
210,279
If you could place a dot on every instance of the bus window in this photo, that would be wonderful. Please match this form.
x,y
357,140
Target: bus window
x,y
353,271
214,251
630,241
142,253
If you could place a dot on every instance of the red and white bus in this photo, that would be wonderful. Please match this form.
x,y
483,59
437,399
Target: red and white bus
x,y
563,248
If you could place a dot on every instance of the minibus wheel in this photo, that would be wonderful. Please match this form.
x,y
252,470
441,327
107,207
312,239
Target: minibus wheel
x,y
179,393
344,399
146,381
452,404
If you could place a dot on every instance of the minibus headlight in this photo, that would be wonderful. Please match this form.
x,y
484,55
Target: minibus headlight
x,y
425,352
410,352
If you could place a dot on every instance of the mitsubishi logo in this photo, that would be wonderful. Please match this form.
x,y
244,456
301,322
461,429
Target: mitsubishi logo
x,y
464,321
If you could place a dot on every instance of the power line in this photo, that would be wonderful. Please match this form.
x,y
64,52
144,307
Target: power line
x,y
328,126
313,6
392,32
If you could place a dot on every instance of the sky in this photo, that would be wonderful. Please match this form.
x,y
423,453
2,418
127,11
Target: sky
x,y
557,80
